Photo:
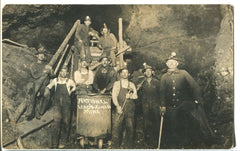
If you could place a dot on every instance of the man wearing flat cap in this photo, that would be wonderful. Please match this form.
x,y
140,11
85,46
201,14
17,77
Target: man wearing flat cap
x,y
81,42
105,76
149,97
123,95
180,97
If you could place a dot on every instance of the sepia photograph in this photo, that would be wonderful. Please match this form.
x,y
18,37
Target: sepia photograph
x,y
120,76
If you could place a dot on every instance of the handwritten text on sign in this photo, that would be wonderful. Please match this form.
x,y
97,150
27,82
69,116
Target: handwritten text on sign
x,y
93,106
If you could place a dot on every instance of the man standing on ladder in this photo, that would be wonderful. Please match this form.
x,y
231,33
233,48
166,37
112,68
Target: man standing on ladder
x,y
108,43
123,95
81,42
61,106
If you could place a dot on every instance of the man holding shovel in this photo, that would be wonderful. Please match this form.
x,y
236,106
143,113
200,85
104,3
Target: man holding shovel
x,y
123,95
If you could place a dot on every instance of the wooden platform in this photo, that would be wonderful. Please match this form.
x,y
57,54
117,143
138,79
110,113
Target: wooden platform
x,y
28,126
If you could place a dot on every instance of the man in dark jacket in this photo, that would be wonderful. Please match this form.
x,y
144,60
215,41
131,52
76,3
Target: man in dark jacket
x,y
105,76
180,96
149,97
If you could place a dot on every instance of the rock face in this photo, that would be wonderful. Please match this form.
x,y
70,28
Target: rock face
x,y
190,31
224,105
202,35
34,24
16,73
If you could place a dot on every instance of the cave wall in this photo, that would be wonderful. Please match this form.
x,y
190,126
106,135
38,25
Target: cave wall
x,y
154,31
34,24
223,107
189,30
49,24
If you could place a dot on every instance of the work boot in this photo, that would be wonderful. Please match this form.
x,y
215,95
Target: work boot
x,y
61,146
30,117
38,116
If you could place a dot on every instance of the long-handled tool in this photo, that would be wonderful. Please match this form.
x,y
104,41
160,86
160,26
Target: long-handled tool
x,y
124,103
122,108
160,132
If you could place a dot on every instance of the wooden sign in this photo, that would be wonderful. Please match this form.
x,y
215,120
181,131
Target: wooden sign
x,y
94,115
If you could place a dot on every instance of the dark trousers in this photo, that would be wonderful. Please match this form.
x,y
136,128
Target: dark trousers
x,y
181,126
60,125
81,51
35,102
121,123
151,121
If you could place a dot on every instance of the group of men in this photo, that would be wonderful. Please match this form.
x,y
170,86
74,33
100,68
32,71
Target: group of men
x,y
176,96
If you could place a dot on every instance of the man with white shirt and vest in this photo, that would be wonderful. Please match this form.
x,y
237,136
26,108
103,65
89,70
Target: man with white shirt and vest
x,y
180,97
83,78
61,105
123,95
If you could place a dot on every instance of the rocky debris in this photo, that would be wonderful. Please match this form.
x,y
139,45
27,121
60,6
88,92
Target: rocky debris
x,y
16,74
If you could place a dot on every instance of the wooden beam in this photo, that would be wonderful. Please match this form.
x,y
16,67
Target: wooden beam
x,y
61,59
120,41
64,43
15,43
27,133
56,55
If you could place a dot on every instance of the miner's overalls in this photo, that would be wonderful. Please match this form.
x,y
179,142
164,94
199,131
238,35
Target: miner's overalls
x,y
61,114
125,121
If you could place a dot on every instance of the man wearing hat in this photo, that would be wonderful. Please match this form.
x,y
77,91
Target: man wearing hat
x,y
123,95
61,105
83,78
38,67
108,43
105,76
149,97
34,98
180,97
82,39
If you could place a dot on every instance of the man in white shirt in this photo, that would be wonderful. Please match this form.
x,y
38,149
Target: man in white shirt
x,y
123,95
61,105
83,78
